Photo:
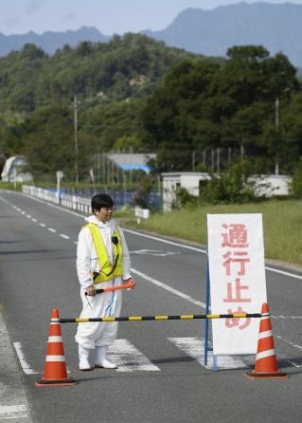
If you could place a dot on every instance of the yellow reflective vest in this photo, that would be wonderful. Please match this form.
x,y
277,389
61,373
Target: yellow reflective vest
x,y
108,270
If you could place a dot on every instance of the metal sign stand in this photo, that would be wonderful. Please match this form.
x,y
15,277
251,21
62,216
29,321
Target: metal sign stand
x,y
207,346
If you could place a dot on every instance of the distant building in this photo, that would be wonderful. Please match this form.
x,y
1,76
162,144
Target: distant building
x,y
14,170
128,161
173,181
271,185
265,186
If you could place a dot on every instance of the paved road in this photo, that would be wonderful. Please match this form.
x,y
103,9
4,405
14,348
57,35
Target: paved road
x,y
161,376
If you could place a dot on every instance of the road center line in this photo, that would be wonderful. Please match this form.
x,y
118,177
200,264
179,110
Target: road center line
x,y
168,288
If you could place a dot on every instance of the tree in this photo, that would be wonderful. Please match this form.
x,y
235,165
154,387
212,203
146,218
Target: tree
x,y
232,186
289,134
173,114
136,91
203,105
50,144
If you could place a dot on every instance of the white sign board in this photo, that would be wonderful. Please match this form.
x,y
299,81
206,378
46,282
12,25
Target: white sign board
x,y
237,280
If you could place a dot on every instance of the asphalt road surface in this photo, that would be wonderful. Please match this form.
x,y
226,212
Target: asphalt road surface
x,y
162,377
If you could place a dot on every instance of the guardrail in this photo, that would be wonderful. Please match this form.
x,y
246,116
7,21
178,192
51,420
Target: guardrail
x,y
73,202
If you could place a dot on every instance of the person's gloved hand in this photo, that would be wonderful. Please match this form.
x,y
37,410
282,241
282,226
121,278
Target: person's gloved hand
x,y
130,281
90,290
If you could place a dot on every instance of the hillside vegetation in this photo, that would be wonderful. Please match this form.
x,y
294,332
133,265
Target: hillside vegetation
x,y
136,94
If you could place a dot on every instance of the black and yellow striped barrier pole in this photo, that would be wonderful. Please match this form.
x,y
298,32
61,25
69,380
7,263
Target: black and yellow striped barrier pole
x,y
157,318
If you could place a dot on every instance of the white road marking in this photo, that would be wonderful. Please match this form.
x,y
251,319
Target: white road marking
x,y
282,272
168,288
195,348
295,364
64,236
166,241
128,358
299,347
286,317
14,406
157,253
9,412
52,230
25,366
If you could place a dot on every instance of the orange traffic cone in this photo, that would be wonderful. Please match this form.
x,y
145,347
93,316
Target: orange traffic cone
x,y
55,371
266,362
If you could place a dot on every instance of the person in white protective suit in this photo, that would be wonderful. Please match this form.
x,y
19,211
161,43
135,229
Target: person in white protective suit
x,y
102,261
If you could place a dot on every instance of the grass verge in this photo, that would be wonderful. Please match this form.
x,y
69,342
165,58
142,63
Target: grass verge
x,y
282,225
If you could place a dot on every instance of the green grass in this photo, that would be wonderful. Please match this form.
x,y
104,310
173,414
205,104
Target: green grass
x,y
282,225
11,186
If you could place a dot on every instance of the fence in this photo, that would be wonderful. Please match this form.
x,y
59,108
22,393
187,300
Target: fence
x,y
73,202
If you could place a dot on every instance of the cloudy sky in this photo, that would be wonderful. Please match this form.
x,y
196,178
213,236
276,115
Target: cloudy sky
x,y
108,16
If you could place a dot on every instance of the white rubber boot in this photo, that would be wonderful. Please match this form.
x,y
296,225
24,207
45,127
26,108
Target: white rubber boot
x,y
101,360
84,358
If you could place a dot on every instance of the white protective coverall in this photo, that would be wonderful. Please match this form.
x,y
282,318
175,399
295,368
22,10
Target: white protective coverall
x,y
99,334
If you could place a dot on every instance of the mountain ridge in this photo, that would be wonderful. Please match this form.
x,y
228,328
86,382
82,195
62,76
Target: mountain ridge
x,y
277,27
50,41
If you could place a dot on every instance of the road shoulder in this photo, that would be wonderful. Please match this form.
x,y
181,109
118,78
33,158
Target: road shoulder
x,y
13,401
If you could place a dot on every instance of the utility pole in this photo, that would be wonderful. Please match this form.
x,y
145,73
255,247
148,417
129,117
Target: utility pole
x,y
218,161
277,132
193,160
76,146
277,113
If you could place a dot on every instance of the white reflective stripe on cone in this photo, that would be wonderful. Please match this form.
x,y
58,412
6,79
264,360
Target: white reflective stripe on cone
x,y
266,334
55,339
55,358
265,354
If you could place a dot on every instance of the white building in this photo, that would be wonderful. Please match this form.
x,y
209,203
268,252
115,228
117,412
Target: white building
x,y
272,185
173,181
266,185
